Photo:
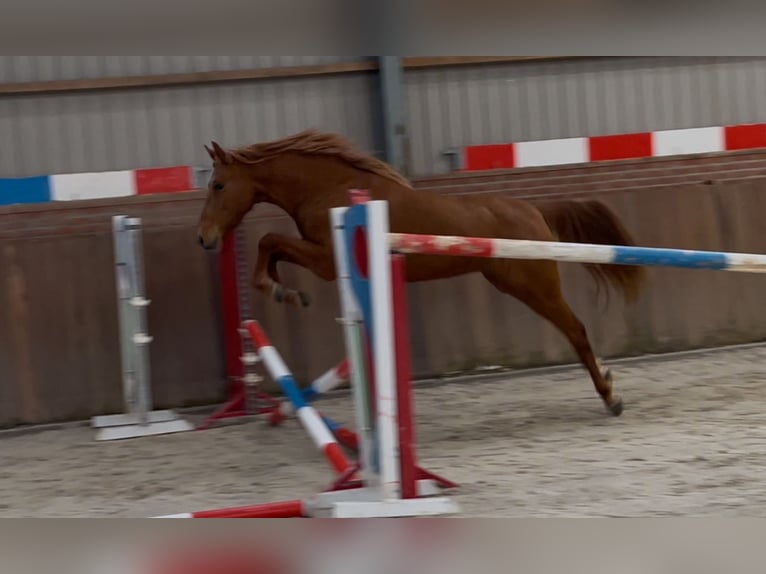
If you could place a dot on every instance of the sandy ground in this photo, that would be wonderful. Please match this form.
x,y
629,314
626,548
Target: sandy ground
x,y
692,442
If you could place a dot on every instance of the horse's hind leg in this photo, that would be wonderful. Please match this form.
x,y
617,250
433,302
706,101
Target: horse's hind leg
x,y
537,284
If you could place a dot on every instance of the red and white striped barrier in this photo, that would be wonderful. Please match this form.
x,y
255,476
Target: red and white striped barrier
x,y
325,383
309,417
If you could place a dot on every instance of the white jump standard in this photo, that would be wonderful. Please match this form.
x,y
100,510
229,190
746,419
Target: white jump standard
x,y
371,304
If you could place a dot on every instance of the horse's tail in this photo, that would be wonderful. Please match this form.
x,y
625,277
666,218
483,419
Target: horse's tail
x,y
593,222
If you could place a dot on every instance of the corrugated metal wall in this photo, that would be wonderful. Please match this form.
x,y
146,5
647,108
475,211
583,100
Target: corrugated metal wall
x,y
447,107
567,98
127,129
47,68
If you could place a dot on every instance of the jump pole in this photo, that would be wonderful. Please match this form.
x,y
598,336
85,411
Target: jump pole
x,y
309,417
575,252
286,509
329,380
139,418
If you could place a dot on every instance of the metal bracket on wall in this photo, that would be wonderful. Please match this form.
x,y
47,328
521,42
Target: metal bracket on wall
x,y
455,157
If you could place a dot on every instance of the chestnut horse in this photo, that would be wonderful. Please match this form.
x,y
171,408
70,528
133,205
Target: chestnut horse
x,y
308,173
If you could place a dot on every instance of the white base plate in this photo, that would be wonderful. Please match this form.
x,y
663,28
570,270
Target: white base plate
x,y
395,508
366,503
117,427
128,419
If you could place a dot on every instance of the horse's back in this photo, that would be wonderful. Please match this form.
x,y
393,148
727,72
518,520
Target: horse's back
x,y
471,215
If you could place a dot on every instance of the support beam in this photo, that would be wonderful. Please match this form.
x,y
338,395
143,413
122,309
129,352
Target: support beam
x,y
392,112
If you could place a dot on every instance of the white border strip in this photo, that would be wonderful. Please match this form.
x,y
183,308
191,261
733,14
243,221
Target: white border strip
x,y
82,186
688,141
552,152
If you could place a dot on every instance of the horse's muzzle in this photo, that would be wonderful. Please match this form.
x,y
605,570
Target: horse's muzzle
x,y
208,245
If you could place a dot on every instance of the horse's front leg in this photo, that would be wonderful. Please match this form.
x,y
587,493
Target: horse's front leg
x,y
275,247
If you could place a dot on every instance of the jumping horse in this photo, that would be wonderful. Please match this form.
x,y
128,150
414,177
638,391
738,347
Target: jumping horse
x,y
309,173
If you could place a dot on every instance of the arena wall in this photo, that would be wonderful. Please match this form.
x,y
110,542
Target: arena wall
x,y
58,332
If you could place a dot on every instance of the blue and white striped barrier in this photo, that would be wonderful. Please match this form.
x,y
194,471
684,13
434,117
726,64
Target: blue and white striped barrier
x,y
312,421
575,252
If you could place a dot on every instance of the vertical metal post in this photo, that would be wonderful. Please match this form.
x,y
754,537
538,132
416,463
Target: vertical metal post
x,y
124,316
138,419
136,310
392,102
131,316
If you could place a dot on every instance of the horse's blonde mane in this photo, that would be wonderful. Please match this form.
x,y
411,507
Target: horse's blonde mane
x,y
318,143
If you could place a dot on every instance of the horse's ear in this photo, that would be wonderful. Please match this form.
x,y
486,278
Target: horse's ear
x,y
220,154
210,152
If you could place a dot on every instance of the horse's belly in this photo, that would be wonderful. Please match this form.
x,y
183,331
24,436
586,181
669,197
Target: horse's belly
x,y
431,267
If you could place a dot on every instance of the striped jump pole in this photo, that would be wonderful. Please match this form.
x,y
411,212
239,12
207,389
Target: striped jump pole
x,y
275,407
325,383
309,417
342,433
407,243
328,381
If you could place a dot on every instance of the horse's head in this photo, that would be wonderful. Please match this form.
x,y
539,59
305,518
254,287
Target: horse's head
x,y
232,192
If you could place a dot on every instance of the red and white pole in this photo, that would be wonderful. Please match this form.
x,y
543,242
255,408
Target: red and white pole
x,y
286,509
309,417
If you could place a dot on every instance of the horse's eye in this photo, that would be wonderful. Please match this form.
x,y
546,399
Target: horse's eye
x,y
217,187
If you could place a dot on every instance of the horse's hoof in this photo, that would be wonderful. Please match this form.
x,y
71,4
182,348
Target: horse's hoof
x,y
608,376
279,293
616,407
296,298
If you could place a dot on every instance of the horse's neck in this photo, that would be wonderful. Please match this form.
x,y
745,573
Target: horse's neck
x,y
296,188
